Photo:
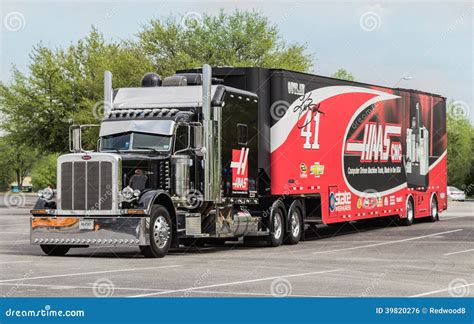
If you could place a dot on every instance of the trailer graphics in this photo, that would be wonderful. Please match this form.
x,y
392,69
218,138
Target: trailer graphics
x,y
212,155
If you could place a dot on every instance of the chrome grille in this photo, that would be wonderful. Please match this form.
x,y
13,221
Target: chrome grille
x,y
86,185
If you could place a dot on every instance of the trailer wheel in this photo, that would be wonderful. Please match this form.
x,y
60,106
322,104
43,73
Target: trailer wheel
x,y
277,228
55,250
296,226
434,216
160,232
409,213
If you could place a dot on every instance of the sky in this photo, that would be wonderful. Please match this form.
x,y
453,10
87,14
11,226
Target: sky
x,y
423,45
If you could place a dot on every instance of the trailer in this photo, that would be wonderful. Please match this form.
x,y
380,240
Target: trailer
x,y
253,154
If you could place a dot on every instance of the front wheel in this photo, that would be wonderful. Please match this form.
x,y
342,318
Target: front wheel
x,y
55,250
160,232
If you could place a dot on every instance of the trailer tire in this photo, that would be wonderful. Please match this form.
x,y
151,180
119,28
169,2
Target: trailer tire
x,y
295,224
434,216
277,227
409,213
55,250
160,231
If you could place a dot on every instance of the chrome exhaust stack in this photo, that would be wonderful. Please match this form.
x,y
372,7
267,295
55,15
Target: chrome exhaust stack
x,y
108,92
211,169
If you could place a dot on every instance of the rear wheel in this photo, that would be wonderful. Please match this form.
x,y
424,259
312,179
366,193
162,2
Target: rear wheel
x,y
277,227
295,223
160,232
55,250
409,213
434,216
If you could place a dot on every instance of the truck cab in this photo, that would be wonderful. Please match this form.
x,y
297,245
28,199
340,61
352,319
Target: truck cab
x,y
176,161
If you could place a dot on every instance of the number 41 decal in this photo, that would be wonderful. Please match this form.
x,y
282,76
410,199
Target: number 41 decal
x,y
306,130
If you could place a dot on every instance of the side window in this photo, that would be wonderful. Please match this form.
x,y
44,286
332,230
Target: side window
x,y
242,134
181,141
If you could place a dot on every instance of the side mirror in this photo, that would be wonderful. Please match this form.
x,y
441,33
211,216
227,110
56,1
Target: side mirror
x,y
75,137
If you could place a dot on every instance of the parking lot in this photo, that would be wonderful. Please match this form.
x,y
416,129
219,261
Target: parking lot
x,y
358,259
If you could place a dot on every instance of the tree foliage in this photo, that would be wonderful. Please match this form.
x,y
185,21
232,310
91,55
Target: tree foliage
x,y
460,149
43,173
238,39
343,75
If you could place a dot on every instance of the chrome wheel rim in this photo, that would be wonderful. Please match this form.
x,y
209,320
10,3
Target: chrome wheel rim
x,y
295,224
161,232
277,230
409,211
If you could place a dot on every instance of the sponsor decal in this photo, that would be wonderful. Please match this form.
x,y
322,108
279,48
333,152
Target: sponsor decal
x,y
303,170
340,201
377,145
296,88
239,167
317,169
359,203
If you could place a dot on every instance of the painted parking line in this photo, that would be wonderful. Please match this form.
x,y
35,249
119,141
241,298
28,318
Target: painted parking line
x,y
387,243
8,262
90,273
441,290
236,283
16,224
208,292
459,252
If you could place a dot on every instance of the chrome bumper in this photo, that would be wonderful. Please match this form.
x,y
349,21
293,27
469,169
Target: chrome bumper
x,y
104,231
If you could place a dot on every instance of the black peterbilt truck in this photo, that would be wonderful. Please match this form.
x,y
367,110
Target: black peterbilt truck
x,y
212,155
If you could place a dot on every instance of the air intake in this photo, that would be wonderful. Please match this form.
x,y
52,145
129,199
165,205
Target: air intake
x,y
151,80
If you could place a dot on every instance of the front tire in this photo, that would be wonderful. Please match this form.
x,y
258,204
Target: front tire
x,y
409,213
160,232
55,250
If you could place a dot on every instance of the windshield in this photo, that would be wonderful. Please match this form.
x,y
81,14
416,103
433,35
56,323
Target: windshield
x,y
136,141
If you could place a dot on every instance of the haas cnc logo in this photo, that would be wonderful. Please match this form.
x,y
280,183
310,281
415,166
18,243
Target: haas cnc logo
x,y
239,165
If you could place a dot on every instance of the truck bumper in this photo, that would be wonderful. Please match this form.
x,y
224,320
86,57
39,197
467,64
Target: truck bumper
x,y
89,231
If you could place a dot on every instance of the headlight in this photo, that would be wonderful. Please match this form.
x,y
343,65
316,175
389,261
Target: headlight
x,y
127,193
46,193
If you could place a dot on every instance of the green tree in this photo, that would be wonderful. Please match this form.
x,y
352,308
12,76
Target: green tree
x,y
343,75
460,148
6,170
19,157
43,173
238,39
66,85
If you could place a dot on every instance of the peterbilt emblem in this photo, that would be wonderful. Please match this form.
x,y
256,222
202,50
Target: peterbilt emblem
x,y
86,157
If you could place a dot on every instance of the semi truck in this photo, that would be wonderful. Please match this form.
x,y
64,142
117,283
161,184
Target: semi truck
x,y
211,155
